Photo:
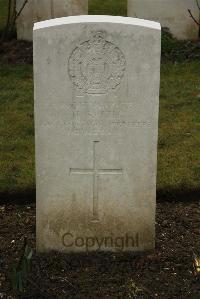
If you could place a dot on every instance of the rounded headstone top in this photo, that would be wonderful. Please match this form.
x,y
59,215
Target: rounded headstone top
x,y
97,19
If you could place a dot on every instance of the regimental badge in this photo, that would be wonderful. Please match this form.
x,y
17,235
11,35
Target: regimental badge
x,y
96,65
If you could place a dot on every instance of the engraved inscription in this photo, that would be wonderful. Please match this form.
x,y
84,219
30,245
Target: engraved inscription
x,y
97,65
99,118
95,172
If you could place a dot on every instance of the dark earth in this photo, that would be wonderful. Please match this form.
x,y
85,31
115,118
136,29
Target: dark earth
x,y
16,52
168,272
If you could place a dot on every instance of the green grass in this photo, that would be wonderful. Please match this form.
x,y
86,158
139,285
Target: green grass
x,y
179,128
16,129
108,7
3,13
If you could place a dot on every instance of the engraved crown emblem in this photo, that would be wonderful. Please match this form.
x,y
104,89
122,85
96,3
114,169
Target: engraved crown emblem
x,y
96,65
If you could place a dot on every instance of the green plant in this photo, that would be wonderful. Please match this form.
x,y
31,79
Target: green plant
x,y
178,51
20,271
130,290
196,264
133,290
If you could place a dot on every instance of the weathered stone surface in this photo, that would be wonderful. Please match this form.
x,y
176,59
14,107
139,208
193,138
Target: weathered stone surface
x,y
39,10
25,20
170,13
96,119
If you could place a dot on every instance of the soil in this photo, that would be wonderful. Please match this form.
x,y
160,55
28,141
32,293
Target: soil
x,y
16,52
168,272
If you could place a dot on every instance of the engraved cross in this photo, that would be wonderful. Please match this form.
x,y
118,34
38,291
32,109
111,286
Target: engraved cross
x,y
95,172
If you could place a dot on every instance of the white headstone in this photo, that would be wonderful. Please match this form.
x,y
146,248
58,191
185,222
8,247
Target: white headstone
x,y
96,121
39,10
172,14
